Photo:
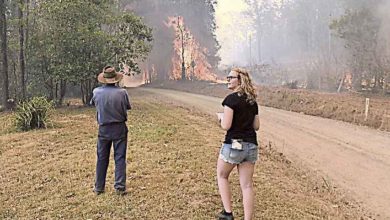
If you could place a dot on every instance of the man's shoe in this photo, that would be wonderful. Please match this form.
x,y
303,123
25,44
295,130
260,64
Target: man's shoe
x,y
97,192
120,192
225,216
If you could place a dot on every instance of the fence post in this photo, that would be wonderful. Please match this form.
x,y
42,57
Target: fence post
x,y
366,109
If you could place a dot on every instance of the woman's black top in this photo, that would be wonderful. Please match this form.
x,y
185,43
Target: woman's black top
x,y
243,116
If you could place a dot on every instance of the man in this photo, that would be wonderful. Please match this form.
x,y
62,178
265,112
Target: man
x,y
112,103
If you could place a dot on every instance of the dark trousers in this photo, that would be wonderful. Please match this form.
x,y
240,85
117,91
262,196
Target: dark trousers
x,y
115,135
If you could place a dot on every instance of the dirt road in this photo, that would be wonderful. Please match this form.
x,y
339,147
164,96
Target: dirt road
x,y
356,159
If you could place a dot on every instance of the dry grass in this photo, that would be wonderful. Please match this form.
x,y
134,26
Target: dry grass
x,y
172,152
344,107
6,123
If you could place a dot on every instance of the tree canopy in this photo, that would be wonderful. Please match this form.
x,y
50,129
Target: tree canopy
x,y
70,41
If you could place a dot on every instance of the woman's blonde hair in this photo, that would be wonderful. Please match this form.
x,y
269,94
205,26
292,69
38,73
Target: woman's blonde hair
x,y
246,86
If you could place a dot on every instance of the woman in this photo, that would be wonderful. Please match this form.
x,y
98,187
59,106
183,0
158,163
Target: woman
x,y
241,121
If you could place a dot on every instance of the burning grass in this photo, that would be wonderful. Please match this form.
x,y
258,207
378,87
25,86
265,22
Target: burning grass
x,y
172,152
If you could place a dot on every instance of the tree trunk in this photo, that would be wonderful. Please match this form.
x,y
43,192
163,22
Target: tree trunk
x,y
91,86
340,84
21,50
27,22
26,39
3,48
386,80
50,87
150,76
87,87
14,80
82,92
62,91
259,54
183,68
56,91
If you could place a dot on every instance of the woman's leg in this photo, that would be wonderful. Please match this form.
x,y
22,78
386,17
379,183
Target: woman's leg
x,y
223,172
245,171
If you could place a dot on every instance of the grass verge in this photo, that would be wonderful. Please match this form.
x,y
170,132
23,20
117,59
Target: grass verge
x,y
172,153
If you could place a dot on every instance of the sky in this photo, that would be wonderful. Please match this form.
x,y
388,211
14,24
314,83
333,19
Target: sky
x,y
232,32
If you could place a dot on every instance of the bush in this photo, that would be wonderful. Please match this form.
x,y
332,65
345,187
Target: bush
x,y
33,114
293,84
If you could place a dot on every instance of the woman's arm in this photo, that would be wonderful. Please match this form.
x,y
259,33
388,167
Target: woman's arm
x,y
227,118
256,122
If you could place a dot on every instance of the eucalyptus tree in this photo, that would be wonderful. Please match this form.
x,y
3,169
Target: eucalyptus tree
x,y
15,30
265,16
295,35
3,49
72,40
310,24
22,62
361,29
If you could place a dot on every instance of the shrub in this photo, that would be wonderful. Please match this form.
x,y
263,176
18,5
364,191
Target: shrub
x,y
33,114
293,84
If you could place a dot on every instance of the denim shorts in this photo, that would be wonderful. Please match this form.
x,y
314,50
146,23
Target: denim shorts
x,y
249,153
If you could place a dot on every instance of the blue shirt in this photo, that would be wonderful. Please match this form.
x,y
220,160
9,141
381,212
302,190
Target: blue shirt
x,y
111,103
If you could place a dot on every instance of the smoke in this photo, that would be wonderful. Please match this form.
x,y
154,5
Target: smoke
x,y
233,32
383,13
384,33
279,40
199,19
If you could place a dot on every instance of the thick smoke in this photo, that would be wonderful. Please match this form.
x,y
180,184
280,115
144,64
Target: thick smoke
x,y
384,33
198,17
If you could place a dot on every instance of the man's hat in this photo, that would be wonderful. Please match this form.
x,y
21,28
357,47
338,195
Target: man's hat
x,y
109,75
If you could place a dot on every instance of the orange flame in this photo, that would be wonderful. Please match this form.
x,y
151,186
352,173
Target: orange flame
x,y
148,74
195,62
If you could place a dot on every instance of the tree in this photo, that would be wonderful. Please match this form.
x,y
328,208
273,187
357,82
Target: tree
x,y
293,36
183,37
73,40
22,65
4,54
360,28
264,14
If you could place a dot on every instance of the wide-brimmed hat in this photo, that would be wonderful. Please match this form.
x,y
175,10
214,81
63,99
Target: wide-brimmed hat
x,y
109,75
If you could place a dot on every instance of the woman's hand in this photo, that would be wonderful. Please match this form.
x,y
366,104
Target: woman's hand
x,y
219,116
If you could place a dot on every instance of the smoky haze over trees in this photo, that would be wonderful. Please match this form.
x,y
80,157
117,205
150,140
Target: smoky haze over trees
x,y
198,18
47,47
320,43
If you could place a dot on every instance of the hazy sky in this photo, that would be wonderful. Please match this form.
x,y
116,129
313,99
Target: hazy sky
x,y
232,32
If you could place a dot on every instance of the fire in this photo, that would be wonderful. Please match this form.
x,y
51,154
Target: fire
x,y
195,62
148,74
